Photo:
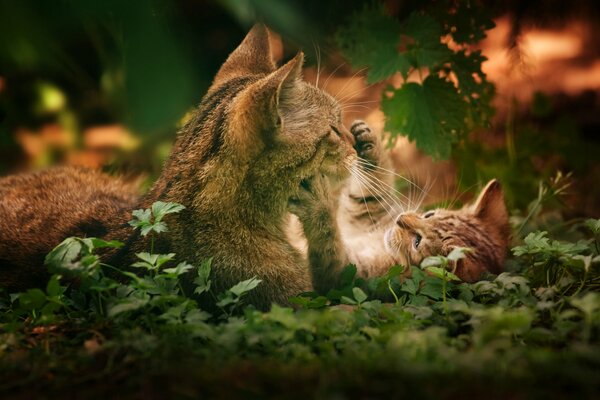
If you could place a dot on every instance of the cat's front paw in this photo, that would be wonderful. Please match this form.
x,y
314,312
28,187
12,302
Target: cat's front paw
x,y
367,144
313,194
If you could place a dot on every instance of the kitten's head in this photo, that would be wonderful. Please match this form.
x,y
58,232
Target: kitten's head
x,y
267,121
482,227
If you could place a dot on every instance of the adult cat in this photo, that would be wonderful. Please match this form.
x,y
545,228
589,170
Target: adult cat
x,y
258,132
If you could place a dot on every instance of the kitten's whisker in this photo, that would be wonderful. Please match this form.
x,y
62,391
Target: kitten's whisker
x,y
379,190
424,194
383,188
364,198
390,172
391,188
361,179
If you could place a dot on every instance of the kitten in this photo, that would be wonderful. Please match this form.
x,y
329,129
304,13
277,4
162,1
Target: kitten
x,y
354,223
258,132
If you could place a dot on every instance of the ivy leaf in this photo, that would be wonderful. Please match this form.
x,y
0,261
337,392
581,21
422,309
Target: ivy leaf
x,y
432,114
425,48
473,85
370,39
467,22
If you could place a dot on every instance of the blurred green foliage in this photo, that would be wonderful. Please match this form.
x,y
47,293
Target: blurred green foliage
x,y
145,64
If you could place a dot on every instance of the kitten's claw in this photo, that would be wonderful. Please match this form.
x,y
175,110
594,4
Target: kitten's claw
x,y
367,143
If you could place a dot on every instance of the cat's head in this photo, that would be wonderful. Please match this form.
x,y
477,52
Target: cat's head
x,y
266,121
482,227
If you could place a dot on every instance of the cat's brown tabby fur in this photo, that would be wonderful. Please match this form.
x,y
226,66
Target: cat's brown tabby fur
x,y
258,132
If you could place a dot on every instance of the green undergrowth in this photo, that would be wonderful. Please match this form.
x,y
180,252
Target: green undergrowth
x,y
98,330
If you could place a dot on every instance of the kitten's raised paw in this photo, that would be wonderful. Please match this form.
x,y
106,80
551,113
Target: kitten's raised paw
x,y
367,143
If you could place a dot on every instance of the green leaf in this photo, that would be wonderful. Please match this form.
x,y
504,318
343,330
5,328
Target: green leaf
x,y
245,286
347,300
433,288
160,209
180,269
64,254
32,299
347,275
434,261
409,287
53,287
99,243
359,295
441,272
432,114
370,39
425,48
202,280
458,253
125,305
593,225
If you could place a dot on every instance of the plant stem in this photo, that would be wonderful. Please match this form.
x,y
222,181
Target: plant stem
x,y
389,282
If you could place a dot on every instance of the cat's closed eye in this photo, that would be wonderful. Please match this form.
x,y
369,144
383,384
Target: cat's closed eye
x,y
337,132
429,214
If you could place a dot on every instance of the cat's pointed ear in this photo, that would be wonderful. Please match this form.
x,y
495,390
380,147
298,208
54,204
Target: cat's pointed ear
x,y
280,90
490,206
287,78
252,56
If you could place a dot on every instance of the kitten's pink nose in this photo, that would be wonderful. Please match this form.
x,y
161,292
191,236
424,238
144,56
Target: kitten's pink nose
x,y
407,220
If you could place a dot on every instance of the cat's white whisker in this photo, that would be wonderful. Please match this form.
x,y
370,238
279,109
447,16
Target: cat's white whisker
x,y
318,55
347,83
390,172
380,193
355,93
331,74
385,184
382,188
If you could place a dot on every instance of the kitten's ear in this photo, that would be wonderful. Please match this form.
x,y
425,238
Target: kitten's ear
x,y
490,206
252,56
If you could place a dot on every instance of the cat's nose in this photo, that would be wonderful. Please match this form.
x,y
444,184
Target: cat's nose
x,y
407,220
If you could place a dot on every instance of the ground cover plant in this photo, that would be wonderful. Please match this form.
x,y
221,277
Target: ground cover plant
x,y
533,330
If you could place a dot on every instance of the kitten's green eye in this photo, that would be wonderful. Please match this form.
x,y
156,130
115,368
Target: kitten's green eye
x,y
428,214
417,241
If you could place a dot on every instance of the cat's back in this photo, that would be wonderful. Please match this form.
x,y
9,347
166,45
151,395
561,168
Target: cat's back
x,y
39,209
